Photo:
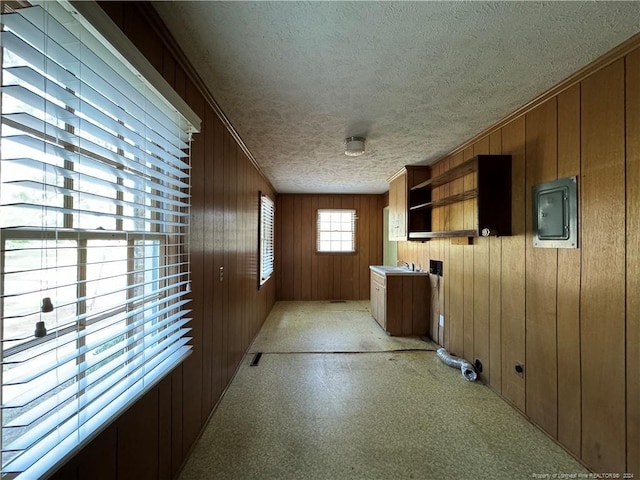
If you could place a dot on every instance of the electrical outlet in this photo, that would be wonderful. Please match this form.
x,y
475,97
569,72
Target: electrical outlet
x,y
441,320
478,365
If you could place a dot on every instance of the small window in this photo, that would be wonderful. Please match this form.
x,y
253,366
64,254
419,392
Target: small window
x,y
267,221
336,230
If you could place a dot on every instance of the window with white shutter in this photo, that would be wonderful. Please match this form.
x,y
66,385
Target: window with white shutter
x,y
94,223
267,223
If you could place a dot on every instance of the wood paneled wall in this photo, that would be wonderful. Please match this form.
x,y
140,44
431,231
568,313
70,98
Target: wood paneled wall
x,y
571,317
152,439
303,274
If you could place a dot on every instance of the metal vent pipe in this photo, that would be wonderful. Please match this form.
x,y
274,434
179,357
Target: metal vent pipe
x,y
468,372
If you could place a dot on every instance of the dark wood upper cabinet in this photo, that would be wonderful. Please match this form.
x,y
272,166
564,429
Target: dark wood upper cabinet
x,y
470,200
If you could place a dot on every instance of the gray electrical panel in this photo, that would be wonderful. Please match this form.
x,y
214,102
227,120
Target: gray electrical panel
x,y
555,214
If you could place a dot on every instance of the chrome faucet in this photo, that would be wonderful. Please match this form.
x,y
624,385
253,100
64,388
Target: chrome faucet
x,y
406,265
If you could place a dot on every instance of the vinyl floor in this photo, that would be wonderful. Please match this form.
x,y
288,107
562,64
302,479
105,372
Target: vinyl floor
x,y
334,397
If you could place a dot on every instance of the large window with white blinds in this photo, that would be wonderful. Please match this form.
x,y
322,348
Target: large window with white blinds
x,y
94,216
267,224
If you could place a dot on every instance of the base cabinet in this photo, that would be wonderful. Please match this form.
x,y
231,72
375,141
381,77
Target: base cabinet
x,y
400,303
379,299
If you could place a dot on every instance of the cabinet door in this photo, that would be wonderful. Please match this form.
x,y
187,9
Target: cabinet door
x,y
374,300
402,207
398,208
393,210
378,299
382,307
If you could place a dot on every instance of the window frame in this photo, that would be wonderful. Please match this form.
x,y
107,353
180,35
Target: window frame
x,y
354,231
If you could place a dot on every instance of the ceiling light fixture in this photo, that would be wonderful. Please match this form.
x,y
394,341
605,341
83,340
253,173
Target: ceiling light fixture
x,y
354,146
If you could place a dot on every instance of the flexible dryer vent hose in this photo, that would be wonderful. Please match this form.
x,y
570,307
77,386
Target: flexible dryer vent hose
x,y
465,367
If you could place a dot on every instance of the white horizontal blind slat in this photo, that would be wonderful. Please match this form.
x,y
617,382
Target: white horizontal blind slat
x,y
95,377
152,322
64,412
14,44
106,128
26,311
21,209
38,167
103,411
47,407
115,397
94,70
82,193
30,124
24,376
56,155
267,225
69,333
94,209
85,97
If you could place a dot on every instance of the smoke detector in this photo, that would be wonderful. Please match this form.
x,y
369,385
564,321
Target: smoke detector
x,y
354,146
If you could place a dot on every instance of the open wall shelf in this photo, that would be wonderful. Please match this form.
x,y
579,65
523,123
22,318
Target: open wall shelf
x,y
489,188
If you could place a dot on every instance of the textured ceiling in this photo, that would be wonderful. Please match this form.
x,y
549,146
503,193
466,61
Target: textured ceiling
x,y
415,78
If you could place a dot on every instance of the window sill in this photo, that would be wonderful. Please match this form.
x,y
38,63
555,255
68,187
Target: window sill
x,y
336,253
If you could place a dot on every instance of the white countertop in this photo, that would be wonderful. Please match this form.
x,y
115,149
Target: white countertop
x,y
386,270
